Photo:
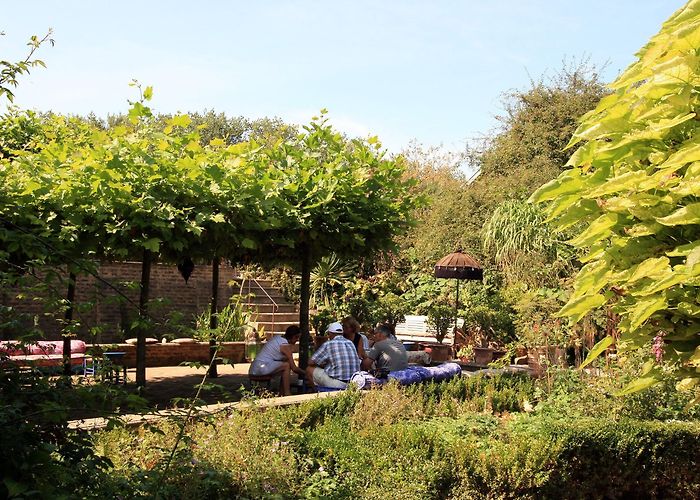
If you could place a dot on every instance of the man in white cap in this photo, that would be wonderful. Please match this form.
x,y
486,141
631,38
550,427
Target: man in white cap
x,y
334,362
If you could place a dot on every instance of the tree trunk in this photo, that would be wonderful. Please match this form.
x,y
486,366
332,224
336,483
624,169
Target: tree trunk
x,y
214,316
143,316
305,292
70,298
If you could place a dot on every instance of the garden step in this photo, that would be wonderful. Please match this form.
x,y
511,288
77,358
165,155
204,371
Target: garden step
x,y
255,289
278,325
265,283
277,317
270,308
263,299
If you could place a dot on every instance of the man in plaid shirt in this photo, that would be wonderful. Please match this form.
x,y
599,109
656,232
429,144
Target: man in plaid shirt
x,y
335,361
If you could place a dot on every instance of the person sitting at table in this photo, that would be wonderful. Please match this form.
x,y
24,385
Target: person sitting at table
x,y
387,352
334,363
351,331
276,358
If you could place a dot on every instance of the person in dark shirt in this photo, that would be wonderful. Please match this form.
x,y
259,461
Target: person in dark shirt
x,y
351,331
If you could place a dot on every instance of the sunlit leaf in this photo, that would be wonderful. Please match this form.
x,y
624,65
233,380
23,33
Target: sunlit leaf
x,y
577,308
639,384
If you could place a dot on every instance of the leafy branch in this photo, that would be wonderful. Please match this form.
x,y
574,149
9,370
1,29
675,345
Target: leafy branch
x,y
12,70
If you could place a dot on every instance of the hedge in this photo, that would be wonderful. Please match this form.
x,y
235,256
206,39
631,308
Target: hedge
x,y
411,444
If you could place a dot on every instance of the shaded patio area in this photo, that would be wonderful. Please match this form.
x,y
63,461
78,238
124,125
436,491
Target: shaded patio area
x,y
166,384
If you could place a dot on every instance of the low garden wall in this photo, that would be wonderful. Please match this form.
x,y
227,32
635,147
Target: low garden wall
x,y
173,354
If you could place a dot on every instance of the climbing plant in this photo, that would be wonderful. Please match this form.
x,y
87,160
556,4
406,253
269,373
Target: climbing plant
x,y
634,182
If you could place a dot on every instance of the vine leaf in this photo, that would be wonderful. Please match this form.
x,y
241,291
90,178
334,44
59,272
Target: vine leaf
x,y
597,350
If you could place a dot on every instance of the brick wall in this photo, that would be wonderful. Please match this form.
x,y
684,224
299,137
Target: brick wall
x,y
102,308
172,354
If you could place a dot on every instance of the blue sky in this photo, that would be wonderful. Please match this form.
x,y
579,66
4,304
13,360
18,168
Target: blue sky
x,y
432,71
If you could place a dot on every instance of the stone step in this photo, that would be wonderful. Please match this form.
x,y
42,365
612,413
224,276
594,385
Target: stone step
x,y
254,290
279,325
265,283
263,299
277,328
277,317
270,308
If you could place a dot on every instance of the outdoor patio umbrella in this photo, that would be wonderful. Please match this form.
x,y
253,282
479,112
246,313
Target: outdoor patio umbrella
x,y
461,266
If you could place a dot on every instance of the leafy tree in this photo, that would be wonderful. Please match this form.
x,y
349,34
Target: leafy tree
x,y
132,191
21,131
440,223
634,182
330,195
528,149
523,153
210,125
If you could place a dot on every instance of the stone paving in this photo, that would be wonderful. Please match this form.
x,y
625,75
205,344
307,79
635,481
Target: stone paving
x,y
163,384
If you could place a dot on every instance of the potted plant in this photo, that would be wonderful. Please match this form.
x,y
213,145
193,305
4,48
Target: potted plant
x,y
441,319
390,309
544,335
546,341
466,353
234,324
323,317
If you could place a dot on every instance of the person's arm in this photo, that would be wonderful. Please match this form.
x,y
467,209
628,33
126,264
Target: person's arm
x,y
365,341
287,351
361,349
370,358
319,357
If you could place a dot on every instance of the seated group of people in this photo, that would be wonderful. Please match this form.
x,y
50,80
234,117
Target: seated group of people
x,y
346,351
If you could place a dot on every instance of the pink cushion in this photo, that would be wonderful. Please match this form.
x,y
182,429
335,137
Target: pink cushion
x,y
45,347
12,348
42,347
46,359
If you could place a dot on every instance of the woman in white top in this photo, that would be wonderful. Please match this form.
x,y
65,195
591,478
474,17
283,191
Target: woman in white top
x,y
276,358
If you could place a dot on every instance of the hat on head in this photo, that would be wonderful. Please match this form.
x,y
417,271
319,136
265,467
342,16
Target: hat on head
x,y
334,328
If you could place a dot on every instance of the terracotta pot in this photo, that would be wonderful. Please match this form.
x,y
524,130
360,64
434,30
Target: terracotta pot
x,y
539,358
483,355
439,352
497,354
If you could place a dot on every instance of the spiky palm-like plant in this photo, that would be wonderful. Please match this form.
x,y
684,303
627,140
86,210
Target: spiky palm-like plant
x,y
328,276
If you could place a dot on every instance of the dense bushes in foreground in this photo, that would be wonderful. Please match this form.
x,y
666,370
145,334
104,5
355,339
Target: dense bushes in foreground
x,y
461,439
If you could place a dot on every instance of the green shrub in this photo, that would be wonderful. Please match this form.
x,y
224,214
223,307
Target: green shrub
x,y
234,321
41,456
573,393
403,460
537,457
497,394
458,439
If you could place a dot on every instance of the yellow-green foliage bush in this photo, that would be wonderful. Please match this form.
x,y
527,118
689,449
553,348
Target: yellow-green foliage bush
x,y
462,439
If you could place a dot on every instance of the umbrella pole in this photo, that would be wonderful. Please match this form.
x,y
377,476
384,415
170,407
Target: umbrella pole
x,y
456,312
